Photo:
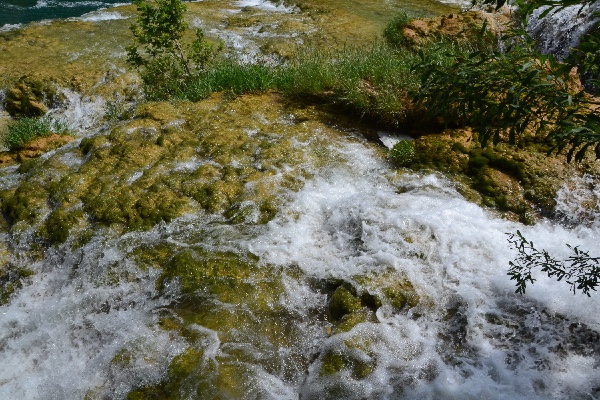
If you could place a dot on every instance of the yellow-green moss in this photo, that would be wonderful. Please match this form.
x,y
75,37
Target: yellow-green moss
x,y
26,203
59,223
519,181
389,287
11,279
343,302
335,361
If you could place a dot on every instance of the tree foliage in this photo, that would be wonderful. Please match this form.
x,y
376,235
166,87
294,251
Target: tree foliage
x,y
505,89
580,270
528,6
165,61
505,93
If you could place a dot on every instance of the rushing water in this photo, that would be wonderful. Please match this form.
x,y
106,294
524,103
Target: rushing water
x,y
91,322
560,31
469,337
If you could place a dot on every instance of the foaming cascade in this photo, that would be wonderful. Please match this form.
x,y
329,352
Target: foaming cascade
x,y
80,113
368,283
471,336
560,31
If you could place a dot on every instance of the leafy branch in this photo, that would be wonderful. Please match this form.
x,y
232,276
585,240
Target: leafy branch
x,y
504,94
580,270
528,6
165,61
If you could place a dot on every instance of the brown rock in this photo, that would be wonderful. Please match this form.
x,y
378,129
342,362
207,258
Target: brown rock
x,y
29,98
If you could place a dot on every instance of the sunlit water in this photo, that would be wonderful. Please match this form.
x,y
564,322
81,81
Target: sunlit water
x,y
470,337
14,12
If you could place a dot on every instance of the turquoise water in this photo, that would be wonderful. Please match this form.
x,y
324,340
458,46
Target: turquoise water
x,y
24,11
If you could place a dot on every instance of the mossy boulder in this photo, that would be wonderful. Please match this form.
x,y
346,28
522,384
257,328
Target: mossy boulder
x,y
230,312
520,181
459,27
30,97
26,203
355,301
218,274
343,302
170,159
389,288
337,360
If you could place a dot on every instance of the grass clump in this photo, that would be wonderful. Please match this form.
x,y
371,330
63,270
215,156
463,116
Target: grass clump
x,y
372,82
24,130
231,76
394,30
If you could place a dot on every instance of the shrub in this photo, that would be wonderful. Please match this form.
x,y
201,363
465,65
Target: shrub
x,y
24,130
159,52
402,153
504,94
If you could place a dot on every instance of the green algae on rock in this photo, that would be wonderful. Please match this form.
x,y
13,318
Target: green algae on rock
x,y
30,97
231,157
520,181
232,316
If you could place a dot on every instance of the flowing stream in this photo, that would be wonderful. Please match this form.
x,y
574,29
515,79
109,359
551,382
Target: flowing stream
x,y
354,281
560,31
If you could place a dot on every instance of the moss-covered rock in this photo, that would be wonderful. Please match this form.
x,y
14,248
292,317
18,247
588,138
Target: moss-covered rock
x,y
232,157
343,302
30,97
11,279
335,361
231,313
389,287
520,181
458,27
26,203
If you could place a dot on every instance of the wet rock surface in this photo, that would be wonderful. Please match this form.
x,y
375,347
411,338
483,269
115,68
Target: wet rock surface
x,y
521,182
150,209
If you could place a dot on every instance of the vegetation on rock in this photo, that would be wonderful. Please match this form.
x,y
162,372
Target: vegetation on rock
x,y
402,153
23,130
30,98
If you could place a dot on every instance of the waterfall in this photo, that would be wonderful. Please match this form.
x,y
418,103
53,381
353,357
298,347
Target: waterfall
x,y
559,32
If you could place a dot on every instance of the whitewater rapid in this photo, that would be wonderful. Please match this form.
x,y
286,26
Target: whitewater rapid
x,y
60,333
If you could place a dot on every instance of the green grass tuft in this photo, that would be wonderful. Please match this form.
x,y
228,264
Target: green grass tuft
x,y
24,130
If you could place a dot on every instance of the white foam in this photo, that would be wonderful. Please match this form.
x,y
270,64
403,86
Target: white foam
x,y
352,221
80,113
578,201
265,5
560,31
101,16
10,27
389,140
61,333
